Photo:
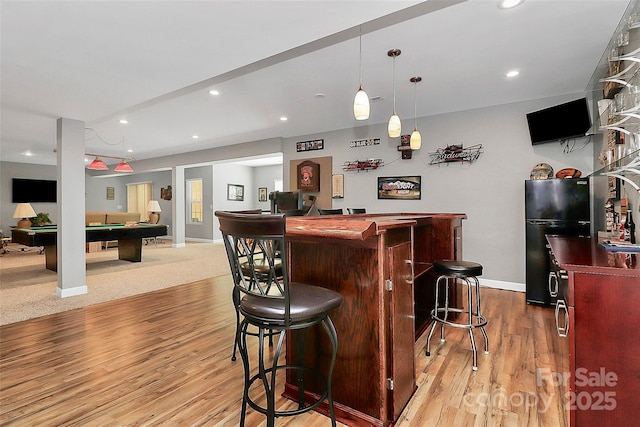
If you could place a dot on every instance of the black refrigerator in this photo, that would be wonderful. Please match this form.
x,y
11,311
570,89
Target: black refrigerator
x,y
552,206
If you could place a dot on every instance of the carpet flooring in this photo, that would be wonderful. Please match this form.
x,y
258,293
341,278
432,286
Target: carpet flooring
x,y
28,289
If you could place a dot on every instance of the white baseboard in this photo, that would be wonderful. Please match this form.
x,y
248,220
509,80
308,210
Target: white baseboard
x,y
178,245
196,239
498,284
71,292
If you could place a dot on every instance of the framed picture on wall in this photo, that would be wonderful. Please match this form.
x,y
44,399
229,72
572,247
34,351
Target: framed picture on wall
x,y
111,193
399,187
262,194
235,192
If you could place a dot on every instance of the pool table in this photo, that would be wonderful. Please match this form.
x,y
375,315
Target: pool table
x,y
129,237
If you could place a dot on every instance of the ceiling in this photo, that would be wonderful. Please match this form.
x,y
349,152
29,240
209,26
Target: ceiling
x,y
154,62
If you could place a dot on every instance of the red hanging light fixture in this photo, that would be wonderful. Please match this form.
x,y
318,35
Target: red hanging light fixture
x,y
123,167
97,165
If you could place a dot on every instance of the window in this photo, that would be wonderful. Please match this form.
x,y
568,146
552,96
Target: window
x,y
277,184
194,201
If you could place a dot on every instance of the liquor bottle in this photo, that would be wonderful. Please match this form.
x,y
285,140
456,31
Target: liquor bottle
x,y
630,227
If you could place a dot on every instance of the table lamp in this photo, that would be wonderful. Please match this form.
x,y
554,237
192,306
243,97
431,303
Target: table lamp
x,y
154,207
24,211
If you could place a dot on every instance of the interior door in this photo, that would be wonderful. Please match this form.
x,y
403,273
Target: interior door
x,y
402,326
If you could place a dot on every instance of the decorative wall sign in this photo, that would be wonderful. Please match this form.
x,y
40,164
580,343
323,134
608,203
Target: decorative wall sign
x,y
337,186
456,154
308,176
399,187
235,192
262,194
364,142
111,193
317,144
166,193
405,146
362,165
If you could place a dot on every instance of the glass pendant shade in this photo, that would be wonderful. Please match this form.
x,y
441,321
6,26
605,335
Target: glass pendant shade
x,y
98,165
123,167
395,127
416,140
361,105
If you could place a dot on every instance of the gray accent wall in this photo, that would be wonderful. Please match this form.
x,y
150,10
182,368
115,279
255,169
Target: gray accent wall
x,y
490,191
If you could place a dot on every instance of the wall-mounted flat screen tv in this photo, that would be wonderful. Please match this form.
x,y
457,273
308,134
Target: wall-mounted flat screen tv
x,y
33,191
564,121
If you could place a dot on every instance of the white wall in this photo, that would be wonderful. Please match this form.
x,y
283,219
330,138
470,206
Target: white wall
x,y
490,191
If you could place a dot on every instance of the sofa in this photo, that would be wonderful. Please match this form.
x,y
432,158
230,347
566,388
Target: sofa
x,y
110,217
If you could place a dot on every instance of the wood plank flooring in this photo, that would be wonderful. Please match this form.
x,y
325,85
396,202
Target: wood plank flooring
x,y
163,359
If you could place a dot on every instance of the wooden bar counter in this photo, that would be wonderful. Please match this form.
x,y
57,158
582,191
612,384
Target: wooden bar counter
x,y
381,264
600,343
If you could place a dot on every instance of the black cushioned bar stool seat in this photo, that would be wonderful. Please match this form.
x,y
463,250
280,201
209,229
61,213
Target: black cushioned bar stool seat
x,y
458,268
466,271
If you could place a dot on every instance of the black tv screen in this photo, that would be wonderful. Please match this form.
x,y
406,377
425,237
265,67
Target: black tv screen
x,y
33,191
564,121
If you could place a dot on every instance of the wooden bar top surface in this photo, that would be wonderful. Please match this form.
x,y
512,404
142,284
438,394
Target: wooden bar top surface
x,y
585,254
356,227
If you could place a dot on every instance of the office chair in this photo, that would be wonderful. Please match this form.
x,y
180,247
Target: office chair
x,y
271,302
353,211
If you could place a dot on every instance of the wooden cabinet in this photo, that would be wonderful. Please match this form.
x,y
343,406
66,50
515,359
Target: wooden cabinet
x,y
602,381
371,261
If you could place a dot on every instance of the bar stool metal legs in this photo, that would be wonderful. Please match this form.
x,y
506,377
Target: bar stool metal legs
x,y
440,315
267,374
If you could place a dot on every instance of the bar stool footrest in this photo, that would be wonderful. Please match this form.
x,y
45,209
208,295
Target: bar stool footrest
x,y
480,320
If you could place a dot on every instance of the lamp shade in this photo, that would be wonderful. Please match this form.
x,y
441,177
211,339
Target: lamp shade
x,y
395,127
98,165
153,206
24,210
416,140
123,167
361,105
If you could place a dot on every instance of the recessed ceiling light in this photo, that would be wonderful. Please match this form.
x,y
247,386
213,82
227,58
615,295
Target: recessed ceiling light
x,y
129,150
319,95
28,153
513,73
123,121
214,92
508,4
283,119
195,136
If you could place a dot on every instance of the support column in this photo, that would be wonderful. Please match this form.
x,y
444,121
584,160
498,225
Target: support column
x,y
178,206
71,206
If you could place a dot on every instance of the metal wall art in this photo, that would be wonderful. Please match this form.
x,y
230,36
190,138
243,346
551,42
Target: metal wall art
x,y
399,187
316,144
362,165
456,154
364,142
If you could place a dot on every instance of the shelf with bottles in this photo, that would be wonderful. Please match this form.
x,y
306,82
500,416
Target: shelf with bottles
x,y
627,169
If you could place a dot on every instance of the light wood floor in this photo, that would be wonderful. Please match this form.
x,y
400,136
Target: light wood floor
x,y
162,359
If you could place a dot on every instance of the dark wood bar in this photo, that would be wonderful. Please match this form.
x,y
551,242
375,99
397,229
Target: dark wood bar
x,y
601,342
381,264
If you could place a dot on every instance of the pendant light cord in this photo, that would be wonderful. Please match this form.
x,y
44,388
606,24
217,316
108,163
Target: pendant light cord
x,y
394,85
415,105
360,56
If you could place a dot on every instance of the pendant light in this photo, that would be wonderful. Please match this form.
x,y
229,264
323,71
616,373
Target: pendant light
x,y
123,166
98,165
361,101
416,139
395,127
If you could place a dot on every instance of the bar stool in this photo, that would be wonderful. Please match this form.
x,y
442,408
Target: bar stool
x,y
466,271
257,254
